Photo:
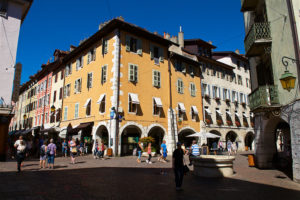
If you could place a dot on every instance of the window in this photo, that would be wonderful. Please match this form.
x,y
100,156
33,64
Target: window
x,y
90,80
3,8
226,94
58,113
216,92
179,66
193,89
181,111
205,90
102,105
240,81
242,99
91,56
77,86
234,96
103,74
66,113
49,82
156,106
79,63
62,75
133,45
54,96
60,93
191,71
76,110
194,112
55,78
133,101
67,89
156,78
133,73
104,46
156,54
180,86
68,70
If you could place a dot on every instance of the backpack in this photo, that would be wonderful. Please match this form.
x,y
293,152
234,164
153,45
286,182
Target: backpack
x,y
42,151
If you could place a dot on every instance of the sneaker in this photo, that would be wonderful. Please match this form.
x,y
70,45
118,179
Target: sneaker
x,y
147,161
150,162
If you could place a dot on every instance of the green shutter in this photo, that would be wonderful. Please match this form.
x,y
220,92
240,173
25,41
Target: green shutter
x,y
135,73
127,43
139,47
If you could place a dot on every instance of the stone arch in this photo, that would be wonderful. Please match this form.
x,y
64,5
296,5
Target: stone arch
x,y
183,133
102,123
102,134
131,123
130,135
158,132
213,142
249,140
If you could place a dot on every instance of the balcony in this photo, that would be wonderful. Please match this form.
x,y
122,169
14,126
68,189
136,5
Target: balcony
x,y
248,5
264,97
257,39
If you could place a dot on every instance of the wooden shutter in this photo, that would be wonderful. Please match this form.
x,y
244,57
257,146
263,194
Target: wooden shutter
x,y
127,43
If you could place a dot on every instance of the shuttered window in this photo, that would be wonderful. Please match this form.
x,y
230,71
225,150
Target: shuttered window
x,y
156,78
133,73
103,74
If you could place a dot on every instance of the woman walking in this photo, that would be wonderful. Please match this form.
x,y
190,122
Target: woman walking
x,y
43,155
139,150
149,153
20,145
73,151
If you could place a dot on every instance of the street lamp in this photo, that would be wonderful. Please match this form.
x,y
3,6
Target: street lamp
x,y
287,79
52,109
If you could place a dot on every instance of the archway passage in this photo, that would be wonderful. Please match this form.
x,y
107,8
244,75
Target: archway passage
x,y
158,134
129,139
231,136
283,158
213,142
249,141
102,135
187,141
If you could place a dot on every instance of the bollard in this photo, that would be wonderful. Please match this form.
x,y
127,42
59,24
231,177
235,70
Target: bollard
x,y
251,160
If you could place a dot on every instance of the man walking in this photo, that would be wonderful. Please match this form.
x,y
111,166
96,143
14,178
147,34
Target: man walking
x,y
51,152
164,152
177,165
194,151
20,145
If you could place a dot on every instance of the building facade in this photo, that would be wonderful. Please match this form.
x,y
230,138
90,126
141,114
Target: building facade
x,y
272,45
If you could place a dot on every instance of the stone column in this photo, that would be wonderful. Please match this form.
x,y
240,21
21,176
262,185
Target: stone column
x,y
295,140
172,126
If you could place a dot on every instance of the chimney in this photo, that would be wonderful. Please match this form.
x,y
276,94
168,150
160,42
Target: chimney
x,y
168,36
210,42
155,33
237,51
180,38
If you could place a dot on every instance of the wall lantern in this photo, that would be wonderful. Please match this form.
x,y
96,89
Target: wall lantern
x,y
287,79
25,117
52,109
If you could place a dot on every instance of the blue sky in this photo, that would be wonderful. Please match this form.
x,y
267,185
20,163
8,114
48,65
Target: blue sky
x,y
55,24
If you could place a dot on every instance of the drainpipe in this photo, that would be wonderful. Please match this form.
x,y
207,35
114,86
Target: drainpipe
x,y
294,35
171,109
118,97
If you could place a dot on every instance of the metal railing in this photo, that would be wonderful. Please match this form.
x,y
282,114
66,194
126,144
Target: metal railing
x,y
257,31
264,96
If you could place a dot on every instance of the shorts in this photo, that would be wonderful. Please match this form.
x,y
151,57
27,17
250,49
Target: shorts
x,y
165,154
72,154
43,157
51,159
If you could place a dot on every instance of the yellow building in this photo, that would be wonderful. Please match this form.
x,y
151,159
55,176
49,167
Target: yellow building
x,y
127,83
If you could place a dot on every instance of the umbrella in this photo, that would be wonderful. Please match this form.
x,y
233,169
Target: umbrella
x,y
204,135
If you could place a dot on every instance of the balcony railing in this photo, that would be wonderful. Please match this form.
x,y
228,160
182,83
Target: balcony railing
x,y
249,5
263,97
259,36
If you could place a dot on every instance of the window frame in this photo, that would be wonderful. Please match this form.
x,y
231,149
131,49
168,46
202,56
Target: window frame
x,y
76,114
157,82
134,72
65,113
180,86
103,75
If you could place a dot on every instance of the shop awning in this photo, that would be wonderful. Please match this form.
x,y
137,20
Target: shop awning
x,y
219,112
87,102
194,108
236,114
158,102
181,107
82,126
63,132
208,111
134,98
101,98
228,113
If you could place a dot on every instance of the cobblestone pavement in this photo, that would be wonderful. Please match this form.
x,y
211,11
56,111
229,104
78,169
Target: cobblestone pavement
x,y
124,178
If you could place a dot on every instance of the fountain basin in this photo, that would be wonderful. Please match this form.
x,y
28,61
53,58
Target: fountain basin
x,y
213,165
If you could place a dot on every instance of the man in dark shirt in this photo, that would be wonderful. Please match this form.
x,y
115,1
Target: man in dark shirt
x,y
177,164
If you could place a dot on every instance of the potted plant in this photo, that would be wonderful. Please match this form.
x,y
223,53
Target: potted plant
x,y
229,122
245,124
219,122
207,121
237,123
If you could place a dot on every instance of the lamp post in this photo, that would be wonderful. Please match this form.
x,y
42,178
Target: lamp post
x,y
287,79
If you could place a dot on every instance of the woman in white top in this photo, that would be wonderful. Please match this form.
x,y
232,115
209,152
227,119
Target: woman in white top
x,y
20,145
73,150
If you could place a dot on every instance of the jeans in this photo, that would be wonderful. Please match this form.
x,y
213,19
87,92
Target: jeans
x,y
64,150
20,159
140,154
51,159
178,171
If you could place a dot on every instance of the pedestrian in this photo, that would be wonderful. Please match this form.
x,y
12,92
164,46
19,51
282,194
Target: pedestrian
x,y
43,155
220,146
237,145
139,150
229,146
102,149
85,146
164,152
73,151
51,153
233,147
20,145
149,153
96,150
194,151
178,166
65,148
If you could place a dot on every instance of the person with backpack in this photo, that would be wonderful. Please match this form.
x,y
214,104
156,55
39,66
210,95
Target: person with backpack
x,y
20,145
43,156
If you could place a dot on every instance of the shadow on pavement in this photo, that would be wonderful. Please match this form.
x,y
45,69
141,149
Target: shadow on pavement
x,y
130,183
